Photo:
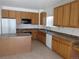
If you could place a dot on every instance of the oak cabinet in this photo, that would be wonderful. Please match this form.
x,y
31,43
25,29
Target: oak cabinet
x,y
18,17
74,17
35,18
11,14
60,16
55,16
43,18
42,37
23,15
34,34
5,13
62,47
66,16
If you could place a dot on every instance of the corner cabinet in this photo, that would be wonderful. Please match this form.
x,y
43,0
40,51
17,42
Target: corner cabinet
x,y
62,47
67,15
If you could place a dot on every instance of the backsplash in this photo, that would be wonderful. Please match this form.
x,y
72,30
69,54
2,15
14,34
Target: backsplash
x,y
71,31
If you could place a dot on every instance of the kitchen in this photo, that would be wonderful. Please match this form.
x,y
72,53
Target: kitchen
x,y
54,29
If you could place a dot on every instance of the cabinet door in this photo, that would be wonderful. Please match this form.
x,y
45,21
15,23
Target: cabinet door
x,y
66,16
43,18
18,17
4,13
11,14
35,18
56,16
60,15
23,15
74,18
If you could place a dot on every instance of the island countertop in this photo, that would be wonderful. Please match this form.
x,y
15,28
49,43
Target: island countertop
x,y
16,34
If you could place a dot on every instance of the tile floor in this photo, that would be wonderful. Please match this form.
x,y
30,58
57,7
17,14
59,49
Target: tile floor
x,y
39,51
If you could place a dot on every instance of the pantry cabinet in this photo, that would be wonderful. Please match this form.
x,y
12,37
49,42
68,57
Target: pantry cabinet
x,y
62,47
67,15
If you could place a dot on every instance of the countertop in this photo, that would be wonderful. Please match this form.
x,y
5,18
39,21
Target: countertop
x,y
67,37
17,34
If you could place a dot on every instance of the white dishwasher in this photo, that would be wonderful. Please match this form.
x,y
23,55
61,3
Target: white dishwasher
x,y
49,41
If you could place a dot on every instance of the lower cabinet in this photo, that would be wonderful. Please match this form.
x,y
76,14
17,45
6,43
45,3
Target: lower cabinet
x,y
42,37
62,47
75,53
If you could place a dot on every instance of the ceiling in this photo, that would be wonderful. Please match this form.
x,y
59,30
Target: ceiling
x,y
32,4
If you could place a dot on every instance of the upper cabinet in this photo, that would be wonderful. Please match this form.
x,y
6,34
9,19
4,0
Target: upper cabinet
x,y
67,15
43,18
18,15
5,13
60,16
74,17
11,14
55,16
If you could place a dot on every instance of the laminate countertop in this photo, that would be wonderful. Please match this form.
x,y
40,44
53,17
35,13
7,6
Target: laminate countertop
x,y
67,37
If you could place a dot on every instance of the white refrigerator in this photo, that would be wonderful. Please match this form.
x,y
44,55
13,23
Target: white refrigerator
x,y
8,26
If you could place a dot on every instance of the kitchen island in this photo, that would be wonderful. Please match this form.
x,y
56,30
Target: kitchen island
x,y
11,44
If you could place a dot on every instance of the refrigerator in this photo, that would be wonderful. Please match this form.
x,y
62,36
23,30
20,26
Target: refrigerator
x,y
8,26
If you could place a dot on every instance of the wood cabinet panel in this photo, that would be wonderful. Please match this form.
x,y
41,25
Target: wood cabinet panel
x,y
66,16
62,47
60,16
55,16
15,45
18,17
42,37
74,18
43,18
5,13
11,14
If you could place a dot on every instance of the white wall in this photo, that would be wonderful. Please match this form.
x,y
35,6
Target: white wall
x,y
50,9
67,30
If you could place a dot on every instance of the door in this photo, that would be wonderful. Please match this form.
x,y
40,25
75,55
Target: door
x,y
55,16
60,16
66,16
74,18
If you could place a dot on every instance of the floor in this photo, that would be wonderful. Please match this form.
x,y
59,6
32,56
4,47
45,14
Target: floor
x,y
39,52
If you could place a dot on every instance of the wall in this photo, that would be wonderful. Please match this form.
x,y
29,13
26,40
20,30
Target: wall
x,y
67,30
50,9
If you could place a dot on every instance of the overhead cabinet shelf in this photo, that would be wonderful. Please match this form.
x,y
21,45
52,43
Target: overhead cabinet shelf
x,y
67,15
